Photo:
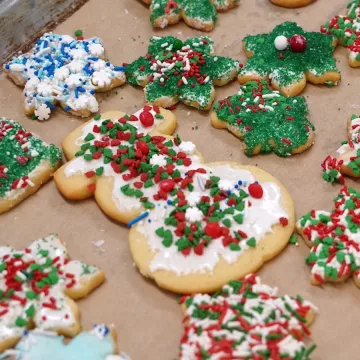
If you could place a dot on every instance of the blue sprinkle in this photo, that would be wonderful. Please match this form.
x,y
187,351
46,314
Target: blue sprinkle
x,y
169,202
139,218
236,186
76,93
228,192
65,86
7,67
93,58
81,89
149,221
92,92
67,108
240,182
256,182
50,105
120,68
108,64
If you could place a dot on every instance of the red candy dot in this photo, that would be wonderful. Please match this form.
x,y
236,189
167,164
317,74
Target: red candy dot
x,y
147,119
213,229
298,43
167,185
256,191
283,221
143,147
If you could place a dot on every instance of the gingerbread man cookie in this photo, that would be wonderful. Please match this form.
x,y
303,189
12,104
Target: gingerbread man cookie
x,y
203,224
174,71
98,344
292,3
199,14
289,57
346,28
333,238
65,71
246,320
348,159
26,163
38,287
265,120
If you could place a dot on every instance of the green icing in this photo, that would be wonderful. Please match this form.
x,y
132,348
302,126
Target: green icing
x,y
266,119
204,11
288,67
191,74
346,29
15,162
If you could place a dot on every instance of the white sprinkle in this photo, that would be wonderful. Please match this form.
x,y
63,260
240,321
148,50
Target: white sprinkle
x,y
270,95
20,184
184,80
30,183
269,108
164,45
99,243
206,80
126,11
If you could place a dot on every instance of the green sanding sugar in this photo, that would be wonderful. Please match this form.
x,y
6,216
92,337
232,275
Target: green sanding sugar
x,y
266,120
288,67
21,152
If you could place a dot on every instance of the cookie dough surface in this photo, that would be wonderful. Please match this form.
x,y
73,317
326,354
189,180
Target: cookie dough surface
x,y
288,57
38,287
26,163
244,320
62,70
265,120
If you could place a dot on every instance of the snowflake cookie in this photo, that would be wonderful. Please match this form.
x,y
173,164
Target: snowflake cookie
x,y
289,57
26,163
38,287
98,344
65,71
196,225
333,238
174,71
199,14
292,3
246,320
348,159
346,28
265,120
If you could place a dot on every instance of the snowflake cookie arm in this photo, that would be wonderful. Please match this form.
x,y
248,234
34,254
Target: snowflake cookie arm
x,y
199,14
199,96
163,94
221,69
224,5
139,71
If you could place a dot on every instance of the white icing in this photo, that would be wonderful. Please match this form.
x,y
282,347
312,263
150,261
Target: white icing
x,y
158,160
193,214
187,147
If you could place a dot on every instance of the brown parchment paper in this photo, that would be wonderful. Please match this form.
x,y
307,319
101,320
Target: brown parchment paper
x,y
148,319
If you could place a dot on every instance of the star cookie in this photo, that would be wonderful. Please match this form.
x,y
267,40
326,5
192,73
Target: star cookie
x,y
26,163
346,28
246,320
38,287
333,238
199,14
265,120
195,226
289,57
174,71
65,71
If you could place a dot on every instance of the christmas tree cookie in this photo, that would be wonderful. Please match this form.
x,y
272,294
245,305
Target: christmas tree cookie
x,y
65,71
246,319
38,287
348,159
98,344
346,28
195,226
292,3
333,239
26,163
289,57
265,120
199,14
174,71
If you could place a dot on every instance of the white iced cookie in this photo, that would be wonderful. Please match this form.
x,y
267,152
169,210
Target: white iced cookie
x,y
38,287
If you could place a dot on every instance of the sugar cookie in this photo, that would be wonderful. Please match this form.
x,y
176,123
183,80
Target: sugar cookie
x,y
198,230
246,320
38,287
65,71
98,344
265,120
174,71
292,3
348,159
333,238
346,29
199,14
26,163
305,56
